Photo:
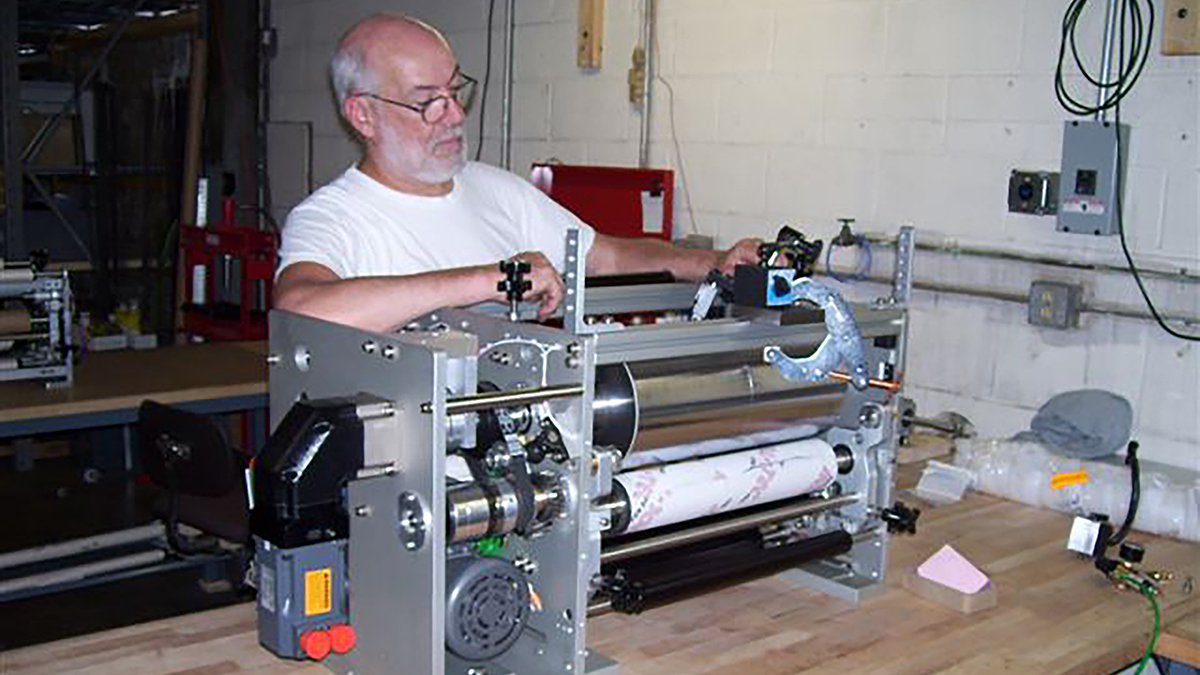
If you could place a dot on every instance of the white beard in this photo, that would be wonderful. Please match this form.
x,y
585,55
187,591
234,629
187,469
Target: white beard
x,y
404,157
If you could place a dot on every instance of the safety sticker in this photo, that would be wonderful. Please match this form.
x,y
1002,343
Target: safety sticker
x,y
318,592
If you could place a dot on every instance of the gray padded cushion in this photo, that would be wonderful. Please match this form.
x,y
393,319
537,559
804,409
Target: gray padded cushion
x,y
1084,424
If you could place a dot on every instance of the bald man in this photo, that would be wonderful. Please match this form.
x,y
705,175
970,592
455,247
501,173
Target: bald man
x,y
414,226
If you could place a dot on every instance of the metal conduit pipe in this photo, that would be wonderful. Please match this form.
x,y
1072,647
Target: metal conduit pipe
x,y
1184,275
510,29
648,28
1106,309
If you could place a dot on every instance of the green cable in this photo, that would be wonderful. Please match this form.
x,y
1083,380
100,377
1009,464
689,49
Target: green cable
x,y
1148,591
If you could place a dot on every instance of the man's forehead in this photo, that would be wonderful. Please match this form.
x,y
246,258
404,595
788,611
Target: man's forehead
x,y
417,69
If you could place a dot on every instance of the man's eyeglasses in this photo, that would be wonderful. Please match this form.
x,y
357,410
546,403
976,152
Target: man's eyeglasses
x,y
434,109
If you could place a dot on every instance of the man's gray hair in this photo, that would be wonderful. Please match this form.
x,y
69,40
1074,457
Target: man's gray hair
x,y
349,71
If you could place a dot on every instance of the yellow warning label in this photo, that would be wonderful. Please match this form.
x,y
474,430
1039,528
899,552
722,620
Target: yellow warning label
x,y
1062,480
318,592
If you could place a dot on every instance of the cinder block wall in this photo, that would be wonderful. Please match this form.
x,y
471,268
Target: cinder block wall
x,y
887,111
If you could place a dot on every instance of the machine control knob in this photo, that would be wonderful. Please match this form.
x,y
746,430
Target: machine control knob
x,y
316,644
514,283
901,518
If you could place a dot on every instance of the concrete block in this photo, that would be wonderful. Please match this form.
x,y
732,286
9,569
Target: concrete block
x,y
294,26
964,346
332,155
952,194
725,178
706,43
992,98
1116,355
590,108
613,153
859,97
769,108
953,36
1180,235
545,11
920,136
1013,144
531,109
839,37
544,51
1033,364
1165,100
693,104
1181,453
1170,389
822,182
291,70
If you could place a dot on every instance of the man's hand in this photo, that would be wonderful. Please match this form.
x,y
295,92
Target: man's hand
x,y
547,286
744,252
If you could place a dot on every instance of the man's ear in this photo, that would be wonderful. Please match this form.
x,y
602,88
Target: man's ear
x,y
360,115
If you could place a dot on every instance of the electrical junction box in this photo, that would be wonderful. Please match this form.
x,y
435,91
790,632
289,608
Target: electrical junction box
x,y
1055,304
1033,192
1087,201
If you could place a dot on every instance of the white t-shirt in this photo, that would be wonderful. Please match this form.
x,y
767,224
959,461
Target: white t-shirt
x,y
359,227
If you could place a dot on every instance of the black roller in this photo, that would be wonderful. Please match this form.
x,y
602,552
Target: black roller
x,y
661,578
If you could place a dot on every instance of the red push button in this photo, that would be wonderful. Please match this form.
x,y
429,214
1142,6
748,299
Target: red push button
x,y
343,637
316,644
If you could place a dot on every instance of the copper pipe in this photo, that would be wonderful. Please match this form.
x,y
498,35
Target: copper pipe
x,y
888,385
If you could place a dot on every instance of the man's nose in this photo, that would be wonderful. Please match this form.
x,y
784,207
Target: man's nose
x,y
455,114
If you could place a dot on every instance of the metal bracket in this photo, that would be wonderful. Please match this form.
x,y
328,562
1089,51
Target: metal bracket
x,y
412,521
902,277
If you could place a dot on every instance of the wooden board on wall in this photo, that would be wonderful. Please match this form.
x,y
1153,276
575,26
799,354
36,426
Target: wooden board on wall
x,y
591,34
1181,27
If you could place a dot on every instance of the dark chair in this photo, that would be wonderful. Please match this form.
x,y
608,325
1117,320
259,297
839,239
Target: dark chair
x,y
188,455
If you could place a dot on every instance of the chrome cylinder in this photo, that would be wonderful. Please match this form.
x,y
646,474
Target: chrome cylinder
x,y
477,510
655,404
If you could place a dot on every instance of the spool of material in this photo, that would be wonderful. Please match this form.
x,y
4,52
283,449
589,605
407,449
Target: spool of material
x,y
15,321
717,446
674,493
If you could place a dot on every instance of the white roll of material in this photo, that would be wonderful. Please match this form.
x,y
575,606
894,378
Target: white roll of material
x,y
717,446
674,493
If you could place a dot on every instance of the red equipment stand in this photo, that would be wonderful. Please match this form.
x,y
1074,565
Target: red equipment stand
x,y
229,272
616,201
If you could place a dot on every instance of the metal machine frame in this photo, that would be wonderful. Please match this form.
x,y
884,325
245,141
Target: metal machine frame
x,y
418,397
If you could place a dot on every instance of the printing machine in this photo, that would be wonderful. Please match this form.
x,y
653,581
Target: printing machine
x,y
458,497
35,323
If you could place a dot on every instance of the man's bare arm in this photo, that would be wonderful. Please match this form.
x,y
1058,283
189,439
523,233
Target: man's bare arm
x,y
617,255
388,302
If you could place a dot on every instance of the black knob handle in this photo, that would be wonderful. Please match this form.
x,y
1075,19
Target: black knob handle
x,y
514,283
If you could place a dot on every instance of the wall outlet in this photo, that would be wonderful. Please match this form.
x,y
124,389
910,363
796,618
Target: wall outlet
x,y
1055,304
1087,200
1033,192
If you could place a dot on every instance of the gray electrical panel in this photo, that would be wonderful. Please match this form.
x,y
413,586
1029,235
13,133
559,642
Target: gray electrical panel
x,y
1087,198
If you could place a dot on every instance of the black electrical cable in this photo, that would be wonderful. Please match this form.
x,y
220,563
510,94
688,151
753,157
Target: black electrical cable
x,y
1135,493
487,78
1133,270
1127,73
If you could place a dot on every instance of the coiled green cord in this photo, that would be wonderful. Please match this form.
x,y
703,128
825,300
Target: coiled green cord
x,y
1151,594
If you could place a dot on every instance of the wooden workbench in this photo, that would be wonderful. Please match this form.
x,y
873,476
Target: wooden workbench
x,y
1056,614
109,386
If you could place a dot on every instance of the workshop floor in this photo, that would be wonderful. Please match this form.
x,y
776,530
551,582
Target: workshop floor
x,y
53,503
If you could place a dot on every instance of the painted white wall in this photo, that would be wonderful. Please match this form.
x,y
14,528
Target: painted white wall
x,y
888,111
